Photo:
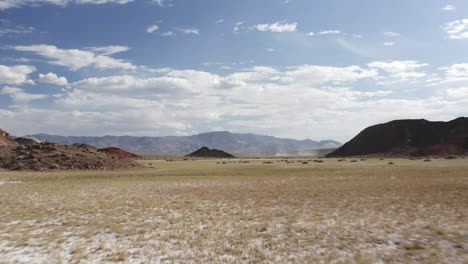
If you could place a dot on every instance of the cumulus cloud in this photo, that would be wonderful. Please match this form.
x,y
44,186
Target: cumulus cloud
x,y
6,29
389,43
398,71
277,27
52,78
6,4
108,50
457,93
448,8
167,34
193,31
18,74
330,32
75,59
301,101
163,2
455,73
152,28
457,29
19,96
391,34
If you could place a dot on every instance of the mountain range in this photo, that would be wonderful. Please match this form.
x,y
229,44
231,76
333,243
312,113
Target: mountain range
x,y
180,145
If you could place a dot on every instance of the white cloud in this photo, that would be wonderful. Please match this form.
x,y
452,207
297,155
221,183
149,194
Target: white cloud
x,y
152,28
398,71
457,93
16,30
52,78
317,75
108,50
163,2
391,34
167,34
449,8
330,32
19,96
193,31
455,73
76,59
219,21
270,50
301,101
6,4
16,74
311,34
277,27
457,29
389,43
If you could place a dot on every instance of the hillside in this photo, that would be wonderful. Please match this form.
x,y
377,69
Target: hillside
x,y
27,154
6,140
205,152
409,137
180,145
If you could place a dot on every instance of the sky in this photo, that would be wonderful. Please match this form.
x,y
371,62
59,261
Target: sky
x,y
288,68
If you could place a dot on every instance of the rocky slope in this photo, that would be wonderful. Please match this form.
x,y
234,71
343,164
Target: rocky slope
x,y
409,137
180,145
27,154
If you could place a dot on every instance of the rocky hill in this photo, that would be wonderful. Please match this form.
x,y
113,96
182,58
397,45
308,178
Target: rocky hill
x,y
409,137
180,145
205,152
6,140
27,154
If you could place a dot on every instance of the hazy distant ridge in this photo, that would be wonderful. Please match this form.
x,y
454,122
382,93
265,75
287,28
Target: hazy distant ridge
x,y
179,145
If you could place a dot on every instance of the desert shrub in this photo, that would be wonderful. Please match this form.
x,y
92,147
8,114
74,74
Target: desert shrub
x,y
54,166
391,163
353,160
451,157
17,166
427,160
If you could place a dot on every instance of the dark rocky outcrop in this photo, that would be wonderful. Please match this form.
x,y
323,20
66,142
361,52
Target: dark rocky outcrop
x,y
205,152
409,137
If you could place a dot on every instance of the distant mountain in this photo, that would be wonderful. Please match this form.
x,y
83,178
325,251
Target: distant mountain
x,y
409,137
181,145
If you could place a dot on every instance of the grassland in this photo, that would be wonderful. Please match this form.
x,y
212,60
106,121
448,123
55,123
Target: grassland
x,y
242,211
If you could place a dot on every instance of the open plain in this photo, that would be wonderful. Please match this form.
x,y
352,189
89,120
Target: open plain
x,y
240,211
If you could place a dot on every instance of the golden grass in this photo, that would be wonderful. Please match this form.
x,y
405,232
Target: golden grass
x,y
205,211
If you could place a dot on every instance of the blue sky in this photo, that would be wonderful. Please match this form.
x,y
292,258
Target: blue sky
x,y
288,68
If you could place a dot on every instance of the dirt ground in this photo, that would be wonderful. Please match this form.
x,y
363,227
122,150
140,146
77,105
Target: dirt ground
x,y
240,211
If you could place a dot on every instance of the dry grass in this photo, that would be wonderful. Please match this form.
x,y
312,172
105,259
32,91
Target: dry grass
x,y
204,212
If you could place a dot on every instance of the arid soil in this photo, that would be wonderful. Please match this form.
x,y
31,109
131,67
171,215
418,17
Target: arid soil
x,y
244,211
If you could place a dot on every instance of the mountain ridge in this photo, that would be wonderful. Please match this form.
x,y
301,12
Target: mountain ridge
x,y
409,137
238,143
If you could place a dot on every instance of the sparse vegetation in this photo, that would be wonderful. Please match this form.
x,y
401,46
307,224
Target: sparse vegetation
x,y
201,212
